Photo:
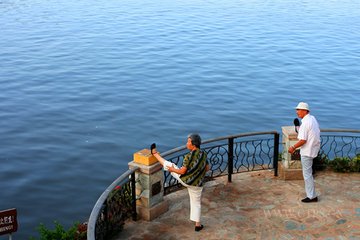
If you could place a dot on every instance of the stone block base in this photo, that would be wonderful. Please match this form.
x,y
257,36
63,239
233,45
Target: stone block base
x,y
290,173
149,214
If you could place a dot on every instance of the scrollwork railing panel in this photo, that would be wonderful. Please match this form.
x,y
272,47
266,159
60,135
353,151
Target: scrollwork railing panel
x,y
333,146
253,155
251,152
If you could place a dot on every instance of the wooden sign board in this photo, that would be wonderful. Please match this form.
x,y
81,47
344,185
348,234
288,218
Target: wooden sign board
x,y
8,221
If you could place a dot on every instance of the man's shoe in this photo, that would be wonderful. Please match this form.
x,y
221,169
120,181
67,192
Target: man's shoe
x,y
307,200
198,228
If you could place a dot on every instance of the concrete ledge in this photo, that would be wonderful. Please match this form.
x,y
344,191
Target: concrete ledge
x,y
290,174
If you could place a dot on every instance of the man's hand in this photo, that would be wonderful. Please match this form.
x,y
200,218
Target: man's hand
x,y
296,145
291,149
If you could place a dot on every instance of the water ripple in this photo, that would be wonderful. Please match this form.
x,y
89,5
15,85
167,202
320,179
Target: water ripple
x,y
84,85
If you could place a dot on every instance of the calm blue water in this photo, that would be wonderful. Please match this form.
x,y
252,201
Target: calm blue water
x,y
85,84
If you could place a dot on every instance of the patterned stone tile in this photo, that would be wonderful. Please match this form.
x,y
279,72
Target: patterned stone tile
x,y
258,206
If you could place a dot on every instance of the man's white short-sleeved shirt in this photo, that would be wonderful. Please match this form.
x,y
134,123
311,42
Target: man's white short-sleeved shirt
x,y
309,130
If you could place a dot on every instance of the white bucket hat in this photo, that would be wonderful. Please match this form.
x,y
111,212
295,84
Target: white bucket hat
x,y
303,105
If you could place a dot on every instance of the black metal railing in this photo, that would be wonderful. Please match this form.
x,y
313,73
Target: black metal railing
x,y
226,155
339,143
231,154
113,208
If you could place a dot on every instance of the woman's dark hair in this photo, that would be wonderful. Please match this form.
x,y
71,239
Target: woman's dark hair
x,y
195,139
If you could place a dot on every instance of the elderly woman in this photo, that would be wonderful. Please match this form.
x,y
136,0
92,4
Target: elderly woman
x,y
191,174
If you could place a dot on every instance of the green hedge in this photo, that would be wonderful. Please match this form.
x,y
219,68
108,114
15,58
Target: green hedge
x,y
75,232
345,164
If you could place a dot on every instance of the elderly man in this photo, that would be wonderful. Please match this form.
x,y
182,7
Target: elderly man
x,y
309,144
191,174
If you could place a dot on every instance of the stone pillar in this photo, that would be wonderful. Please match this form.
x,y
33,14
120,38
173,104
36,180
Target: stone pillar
x,y
149,185
290,167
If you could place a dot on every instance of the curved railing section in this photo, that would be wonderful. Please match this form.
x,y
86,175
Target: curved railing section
x,y
339,143
226,155
116,204
231,154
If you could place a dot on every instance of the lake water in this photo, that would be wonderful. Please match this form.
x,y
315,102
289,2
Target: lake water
x,y
85,84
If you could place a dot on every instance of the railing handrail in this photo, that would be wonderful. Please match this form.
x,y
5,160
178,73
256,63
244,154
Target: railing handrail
x,y
99,203
340,130
174,150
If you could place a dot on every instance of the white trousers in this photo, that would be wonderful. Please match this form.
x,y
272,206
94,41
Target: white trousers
x,y
194,193
307,163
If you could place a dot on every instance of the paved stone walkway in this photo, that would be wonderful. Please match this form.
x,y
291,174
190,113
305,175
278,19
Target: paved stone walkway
x,y
257,205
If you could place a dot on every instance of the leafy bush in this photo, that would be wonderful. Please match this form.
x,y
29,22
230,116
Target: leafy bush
x,y
356,163
340,164
346,164
75,232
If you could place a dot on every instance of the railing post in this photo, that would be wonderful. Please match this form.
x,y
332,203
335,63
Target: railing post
x,y
133,197
276,153
290,166
150,201
230,158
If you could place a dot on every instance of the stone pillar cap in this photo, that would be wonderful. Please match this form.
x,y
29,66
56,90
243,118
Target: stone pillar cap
x,y
289,132
144,157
